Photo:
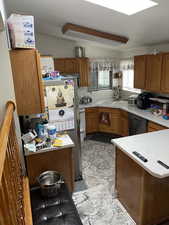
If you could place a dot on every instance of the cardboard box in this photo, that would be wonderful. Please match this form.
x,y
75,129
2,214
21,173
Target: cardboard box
x,y
21,30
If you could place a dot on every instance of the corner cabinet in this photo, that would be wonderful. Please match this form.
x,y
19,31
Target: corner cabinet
x,y
151,72
74,66
27,80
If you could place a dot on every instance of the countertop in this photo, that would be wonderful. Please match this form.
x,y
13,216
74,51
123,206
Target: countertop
x,y
67,143
153,146
146,114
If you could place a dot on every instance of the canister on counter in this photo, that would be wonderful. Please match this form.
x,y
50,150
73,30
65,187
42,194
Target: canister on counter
x,y
51,132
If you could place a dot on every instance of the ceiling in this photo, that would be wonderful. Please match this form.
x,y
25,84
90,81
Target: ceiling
x,y
148,27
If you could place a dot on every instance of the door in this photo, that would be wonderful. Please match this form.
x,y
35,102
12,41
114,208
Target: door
x,y
92,120
27,79
71,66
154,70
59,65
140,71
84,72
165,74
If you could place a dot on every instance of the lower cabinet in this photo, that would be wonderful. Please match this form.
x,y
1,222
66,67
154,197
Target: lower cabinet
x,y
155,127
58,160
92,120
117,121
124,123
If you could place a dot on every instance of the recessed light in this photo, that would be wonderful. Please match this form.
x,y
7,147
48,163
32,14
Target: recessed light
x,y
127,7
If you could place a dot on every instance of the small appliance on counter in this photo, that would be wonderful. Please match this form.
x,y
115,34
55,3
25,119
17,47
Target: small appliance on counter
x,y
143,100
132,100
85,100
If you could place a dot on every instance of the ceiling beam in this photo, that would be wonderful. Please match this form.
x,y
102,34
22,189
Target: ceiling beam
x,y
93,32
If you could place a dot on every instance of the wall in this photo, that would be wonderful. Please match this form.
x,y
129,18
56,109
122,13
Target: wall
x,y
57,47
50,45
6,84
144,50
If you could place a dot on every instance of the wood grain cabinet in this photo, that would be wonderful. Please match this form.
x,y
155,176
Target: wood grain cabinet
x,y
92,120
144,196
124,124
155,127
151,72
154,72
27,80
165,74
118,121
74,66
140,71
57,160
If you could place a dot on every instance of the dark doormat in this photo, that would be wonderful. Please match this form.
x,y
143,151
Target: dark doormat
x,y
102,137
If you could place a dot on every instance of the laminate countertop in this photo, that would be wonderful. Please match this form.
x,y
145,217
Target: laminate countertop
x,y
154,146
146,114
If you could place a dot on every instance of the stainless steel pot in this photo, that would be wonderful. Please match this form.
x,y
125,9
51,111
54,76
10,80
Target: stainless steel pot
x,y
50,183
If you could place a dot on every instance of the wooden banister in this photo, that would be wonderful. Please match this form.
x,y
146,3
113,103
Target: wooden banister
x,y
4,134
15,206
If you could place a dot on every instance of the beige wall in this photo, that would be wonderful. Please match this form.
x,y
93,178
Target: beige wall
x,y
6,81
58,47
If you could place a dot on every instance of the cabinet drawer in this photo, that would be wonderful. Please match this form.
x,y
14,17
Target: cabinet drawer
x,y
155,127
90,110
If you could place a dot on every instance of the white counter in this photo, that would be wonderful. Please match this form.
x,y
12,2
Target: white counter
x,y
153,146
146,114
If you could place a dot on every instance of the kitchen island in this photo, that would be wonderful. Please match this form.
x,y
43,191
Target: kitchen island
x,y
142,176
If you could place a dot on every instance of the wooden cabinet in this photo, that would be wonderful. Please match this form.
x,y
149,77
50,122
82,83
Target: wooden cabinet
x,y
84,72
154,72
57,160
92,120
151,72
72,66
118,121
124,124
140,71
115,118
145,197
27,80
155,127
165,74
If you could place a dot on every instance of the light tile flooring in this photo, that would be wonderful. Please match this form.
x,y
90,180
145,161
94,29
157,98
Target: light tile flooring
x,y
95,197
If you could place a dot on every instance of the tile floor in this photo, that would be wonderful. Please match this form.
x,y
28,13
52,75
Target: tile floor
x,y
95,196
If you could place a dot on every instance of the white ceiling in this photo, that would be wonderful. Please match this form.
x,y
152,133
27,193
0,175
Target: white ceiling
x,y
148,27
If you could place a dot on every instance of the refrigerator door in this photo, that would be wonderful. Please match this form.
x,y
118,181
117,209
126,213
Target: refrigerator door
x,y
63,107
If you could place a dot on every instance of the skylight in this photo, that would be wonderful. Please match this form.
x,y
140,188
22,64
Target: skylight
x,y
128,7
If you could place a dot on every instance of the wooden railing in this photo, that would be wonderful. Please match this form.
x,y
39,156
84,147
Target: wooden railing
x,y
14,196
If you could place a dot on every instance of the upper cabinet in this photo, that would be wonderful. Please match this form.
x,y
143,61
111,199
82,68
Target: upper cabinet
x,y
165,74
151,72
27,79
140,71
154,72
74,66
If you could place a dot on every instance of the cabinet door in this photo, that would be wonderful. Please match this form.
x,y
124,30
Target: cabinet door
x,y
155,127
124,124
84,72
154,70
71,66
92,120
165,74
140,72
27,81
59,65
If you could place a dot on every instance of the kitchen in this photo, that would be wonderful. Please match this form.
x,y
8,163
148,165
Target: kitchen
x,y
85,108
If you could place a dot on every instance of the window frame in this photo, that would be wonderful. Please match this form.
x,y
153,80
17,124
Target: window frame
x,y
97,88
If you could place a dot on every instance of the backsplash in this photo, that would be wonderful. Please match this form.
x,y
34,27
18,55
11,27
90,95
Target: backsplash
x,y
96,95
